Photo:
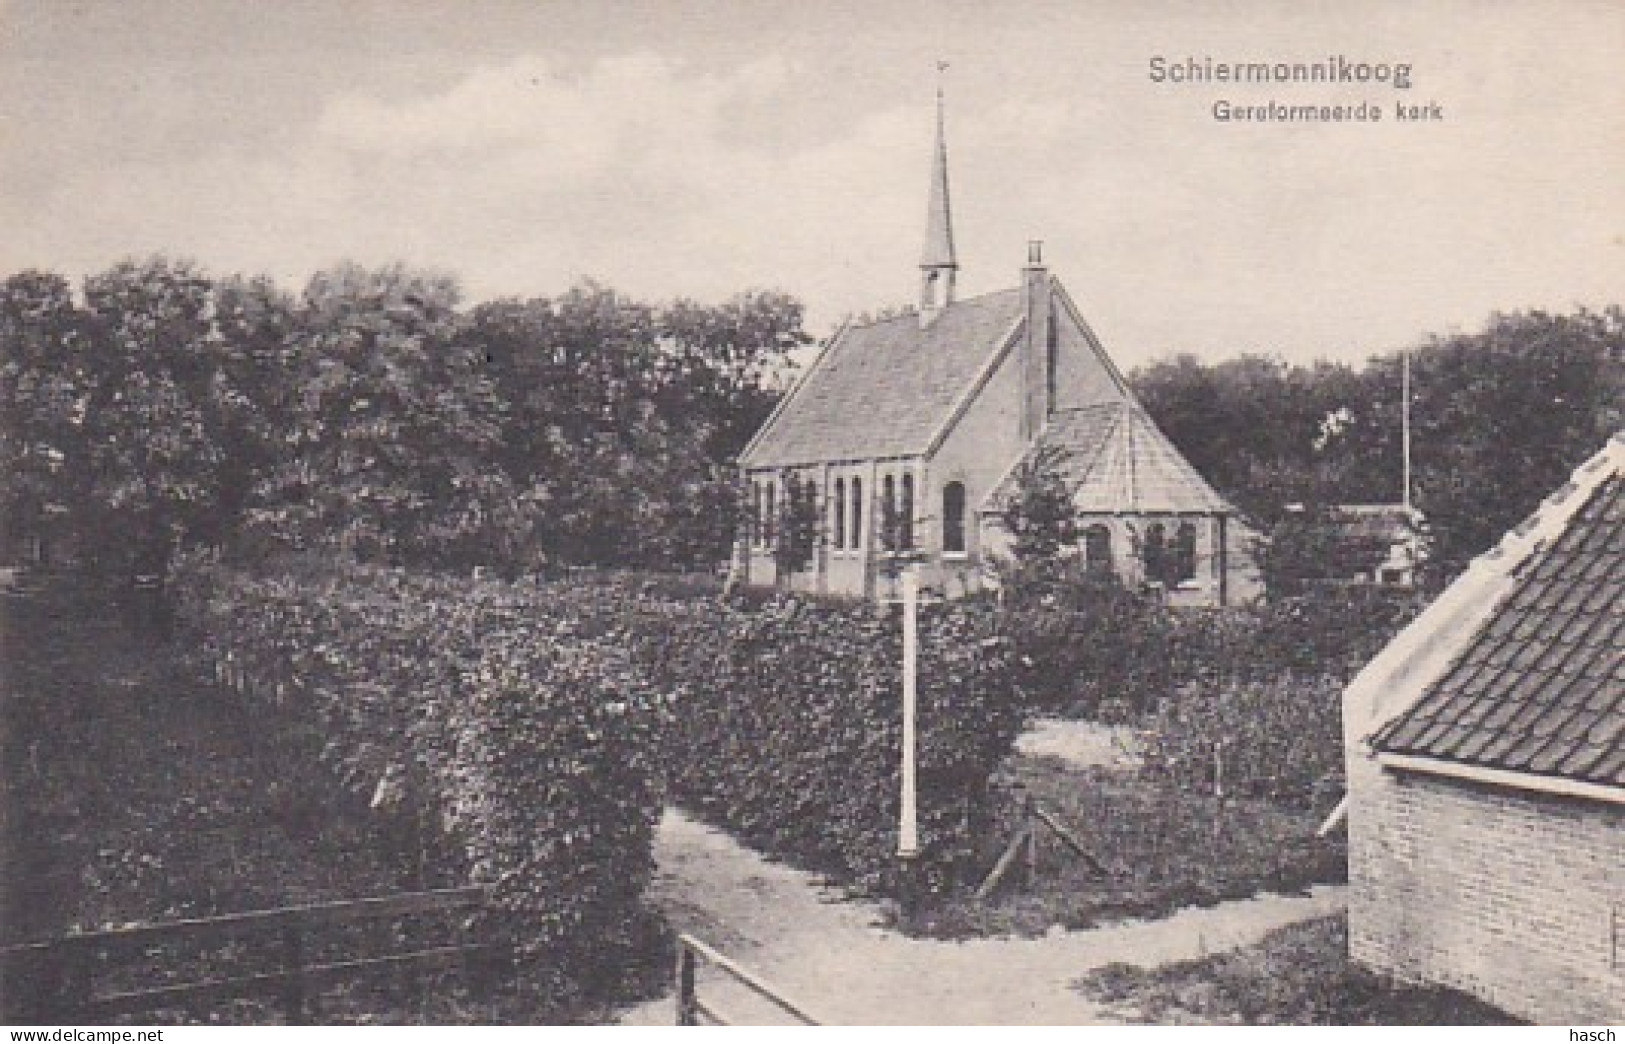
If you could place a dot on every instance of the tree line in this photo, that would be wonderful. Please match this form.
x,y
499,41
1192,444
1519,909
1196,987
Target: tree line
x,y
373,415
1499,419
376,415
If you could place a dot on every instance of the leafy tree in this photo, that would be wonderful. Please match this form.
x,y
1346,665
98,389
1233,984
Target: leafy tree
x,y
371,416
1499,418
1040,516
722,365
577,376
624,419
44,467
391,425
256,327
1502,417
798,527
156,405
885,313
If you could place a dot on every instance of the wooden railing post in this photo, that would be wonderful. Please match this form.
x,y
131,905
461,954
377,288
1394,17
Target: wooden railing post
x,y
689,1007
687,1010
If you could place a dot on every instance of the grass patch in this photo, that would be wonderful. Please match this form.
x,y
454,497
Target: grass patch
x,y
1163,849
1296,976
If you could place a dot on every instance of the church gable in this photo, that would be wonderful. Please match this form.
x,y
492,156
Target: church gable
x,y
1115,461
1084,374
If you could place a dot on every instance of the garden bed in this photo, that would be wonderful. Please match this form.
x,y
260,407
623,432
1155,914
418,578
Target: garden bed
x,y
1297,976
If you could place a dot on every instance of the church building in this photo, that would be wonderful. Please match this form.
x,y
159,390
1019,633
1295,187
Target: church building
x,y
901,444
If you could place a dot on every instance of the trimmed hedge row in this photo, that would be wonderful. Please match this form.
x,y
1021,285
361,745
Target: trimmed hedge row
x,y
790,723
517,729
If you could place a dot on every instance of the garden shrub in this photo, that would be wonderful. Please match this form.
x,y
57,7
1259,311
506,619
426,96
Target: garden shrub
x,y
518,730
1278,738
789,730
1087,647
1326,629
1258,685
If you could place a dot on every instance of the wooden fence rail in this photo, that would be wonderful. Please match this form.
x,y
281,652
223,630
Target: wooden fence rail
x,y
690,1009
1024,847
58,977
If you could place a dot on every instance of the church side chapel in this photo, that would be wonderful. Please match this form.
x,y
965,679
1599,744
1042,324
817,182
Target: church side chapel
x,y
903,442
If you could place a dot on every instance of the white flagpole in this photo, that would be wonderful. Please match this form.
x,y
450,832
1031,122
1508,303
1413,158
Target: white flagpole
x,y
908,838
1405,424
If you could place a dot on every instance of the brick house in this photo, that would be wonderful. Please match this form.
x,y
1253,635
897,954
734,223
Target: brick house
x,y
1485,752
898,443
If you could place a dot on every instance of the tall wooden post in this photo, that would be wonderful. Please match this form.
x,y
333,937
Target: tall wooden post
x,y
908,837
908,829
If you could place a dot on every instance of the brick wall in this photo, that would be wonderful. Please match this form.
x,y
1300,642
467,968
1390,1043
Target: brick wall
x,y
1514,897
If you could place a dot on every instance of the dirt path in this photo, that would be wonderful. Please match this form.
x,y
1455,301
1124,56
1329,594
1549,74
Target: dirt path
x,y
1082,744
830,956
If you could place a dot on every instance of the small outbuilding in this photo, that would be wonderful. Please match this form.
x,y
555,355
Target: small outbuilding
x,y
1485,753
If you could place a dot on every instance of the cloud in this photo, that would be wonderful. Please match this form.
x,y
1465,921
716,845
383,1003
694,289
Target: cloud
x,y
522,180
680,169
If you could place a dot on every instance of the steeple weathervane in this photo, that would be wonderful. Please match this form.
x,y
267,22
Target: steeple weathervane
x,y
937,263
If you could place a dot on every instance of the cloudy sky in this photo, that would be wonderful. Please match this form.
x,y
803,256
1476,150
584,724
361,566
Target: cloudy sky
x,y
672,148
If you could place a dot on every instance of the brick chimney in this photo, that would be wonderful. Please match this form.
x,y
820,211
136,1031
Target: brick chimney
x,y
1036,354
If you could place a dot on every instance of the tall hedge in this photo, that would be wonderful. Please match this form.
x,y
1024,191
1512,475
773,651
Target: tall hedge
x,y
1089,648
517,729
789,730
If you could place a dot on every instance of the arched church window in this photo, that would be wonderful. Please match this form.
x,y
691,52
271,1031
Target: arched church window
x,y
953,518
905,516
1156,553
857,513
837,512
1185,553
888,514
770,525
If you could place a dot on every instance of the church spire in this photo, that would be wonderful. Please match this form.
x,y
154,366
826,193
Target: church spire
x,y
937,263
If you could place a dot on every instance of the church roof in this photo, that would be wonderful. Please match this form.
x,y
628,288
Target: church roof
x,y
1539,686
884,389
1115,460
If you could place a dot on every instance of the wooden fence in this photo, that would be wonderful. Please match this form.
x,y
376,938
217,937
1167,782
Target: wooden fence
x,y
62,978
691,1010
1036,820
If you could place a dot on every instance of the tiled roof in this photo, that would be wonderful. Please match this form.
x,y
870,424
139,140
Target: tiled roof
x,y
1540,686
1115,460
883,389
